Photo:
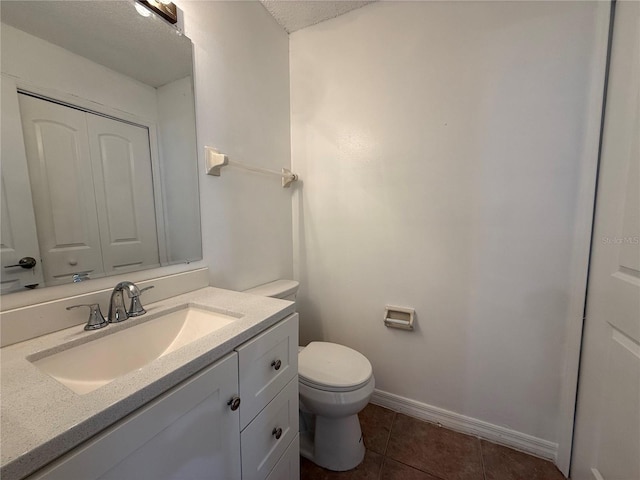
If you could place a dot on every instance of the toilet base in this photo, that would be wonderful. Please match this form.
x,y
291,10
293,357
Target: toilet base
x,y
306,445
337,443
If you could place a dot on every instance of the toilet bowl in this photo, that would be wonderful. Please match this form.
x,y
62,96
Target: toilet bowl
x,y
335,383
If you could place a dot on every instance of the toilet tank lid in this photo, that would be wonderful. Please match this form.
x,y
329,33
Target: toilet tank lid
x,y
277,289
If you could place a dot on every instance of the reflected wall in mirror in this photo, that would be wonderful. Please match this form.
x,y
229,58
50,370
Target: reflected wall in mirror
x,y
99,167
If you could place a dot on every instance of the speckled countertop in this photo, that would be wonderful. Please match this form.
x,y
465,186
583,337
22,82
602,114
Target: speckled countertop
x,y
41,419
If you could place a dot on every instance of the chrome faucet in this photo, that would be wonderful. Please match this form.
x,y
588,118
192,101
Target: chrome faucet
x,y
117,310
96,320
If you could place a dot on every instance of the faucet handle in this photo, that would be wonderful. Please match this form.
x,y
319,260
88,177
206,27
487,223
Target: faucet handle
x,y
117,310
136,309
96,319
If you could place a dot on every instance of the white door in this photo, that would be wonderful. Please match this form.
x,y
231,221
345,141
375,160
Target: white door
x,y
57,148
124,194
607,430
18,236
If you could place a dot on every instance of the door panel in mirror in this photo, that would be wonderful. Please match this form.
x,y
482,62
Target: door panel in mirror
x,y
18,228
57,149
124,193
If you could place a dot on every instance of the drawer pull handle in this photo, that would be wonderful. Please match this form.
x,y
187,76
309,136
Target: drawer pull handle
x,y
277,432
234,403
276,364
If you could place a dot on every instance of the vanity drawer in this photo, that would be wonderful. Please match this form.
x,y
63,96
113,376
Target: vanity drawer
x,y
266,364
288,467
259,443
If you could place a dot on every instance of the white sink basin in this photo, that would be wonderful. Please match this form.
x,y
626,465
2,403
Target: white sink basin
x,y
91,365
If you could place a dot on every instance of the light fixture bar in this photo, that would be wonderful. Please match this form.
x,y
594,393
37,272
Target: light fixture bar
x,y
165,9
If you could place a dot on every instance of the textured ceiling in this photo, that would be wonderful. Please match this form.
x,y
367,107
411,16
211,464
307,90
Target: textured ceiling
x,y
296,14
111,33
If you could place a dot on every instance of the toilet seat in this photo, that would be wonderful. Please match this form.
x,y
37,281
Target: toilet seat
x,y
325,388
332,367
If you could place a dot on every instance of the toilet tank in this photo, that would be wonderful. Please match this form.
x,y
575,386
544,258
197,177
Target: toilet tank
x,y
285,289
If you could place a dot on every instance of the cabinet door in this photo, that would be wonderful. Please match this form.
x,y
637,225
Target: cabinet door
x,y
123,181
57,149
188,433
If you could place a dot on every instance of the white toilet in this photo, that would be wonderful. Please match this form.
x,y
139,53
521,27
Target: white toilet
x,y
335,383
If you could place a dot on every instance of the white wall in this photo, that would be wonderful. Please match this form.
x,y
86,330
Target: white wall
x,y
176,115
440,146
54,70
242,108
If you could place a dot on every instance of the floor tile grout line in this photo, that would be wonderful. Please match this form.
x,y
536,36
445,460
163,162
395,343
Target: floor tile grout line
x,y
431,474
484,470
393,420
386,444
381,467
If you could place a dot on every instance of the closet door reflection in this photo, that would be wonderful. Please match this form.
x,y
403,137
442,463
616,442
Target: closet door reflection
x,y
92,191
124,194
57,147
18,236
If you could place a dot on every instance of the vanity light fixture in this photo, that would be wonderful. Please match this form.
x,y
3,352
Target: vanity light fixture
x,y
142,10
165,8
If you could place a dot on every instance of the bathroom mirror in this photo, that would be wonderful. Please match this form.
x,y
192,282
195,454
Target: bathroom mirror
x,y
99,162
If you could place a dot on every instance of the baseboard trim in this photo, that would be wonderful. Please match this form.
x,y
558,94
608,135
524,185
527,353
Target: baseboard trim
x,y
461,423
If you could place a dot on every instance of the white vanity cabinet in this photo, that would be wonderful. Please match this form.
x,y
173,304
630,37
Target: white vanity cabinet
x,y
192,432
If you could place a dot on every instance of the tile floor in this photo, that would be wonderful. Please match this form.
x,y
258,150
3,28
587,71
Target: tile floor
x,y
404,448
